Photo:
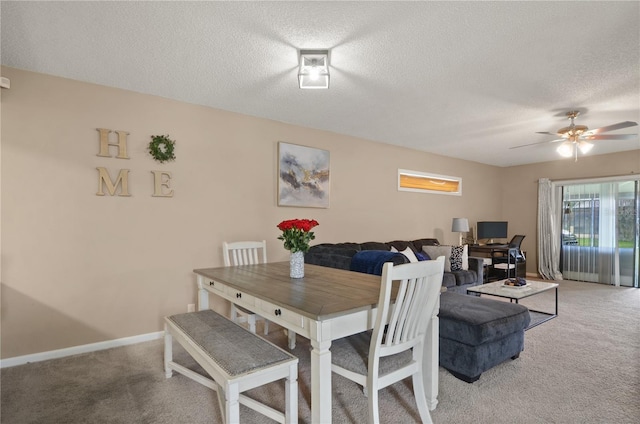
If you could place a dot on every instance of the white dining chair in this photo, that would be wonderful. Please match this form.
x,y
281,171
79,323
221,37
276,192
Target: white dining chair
x,y
393,350
245,253
249,253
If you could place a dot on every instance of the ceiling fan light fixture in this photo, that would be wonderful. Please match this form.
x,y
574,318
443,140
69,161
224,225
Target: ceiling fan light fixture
x,y
314,69
585,147
565,149
574,137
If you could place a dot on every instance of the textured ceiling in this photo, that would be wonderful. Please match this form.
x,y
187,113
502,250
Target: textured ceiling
x,y
461,79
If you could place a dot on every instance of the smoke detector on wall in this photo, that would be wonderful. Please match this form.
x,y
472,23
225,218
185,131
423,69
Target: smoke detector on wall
x,y
5,83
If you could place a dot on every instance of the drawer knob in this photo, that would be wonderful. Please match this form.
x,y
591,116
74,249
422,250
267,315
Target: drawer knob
x,y
238,295
211,283
278,312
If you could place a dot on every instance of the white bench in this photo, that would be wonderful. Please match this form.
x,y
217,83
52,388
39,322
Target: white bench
x,y
236,359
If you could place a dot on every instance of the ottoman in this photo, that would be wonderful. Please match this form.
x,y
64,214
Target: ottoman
x,y
477,334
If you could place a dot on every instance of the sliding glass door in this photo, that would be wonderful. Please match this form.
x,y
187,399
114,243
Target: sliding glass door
x,y
600,232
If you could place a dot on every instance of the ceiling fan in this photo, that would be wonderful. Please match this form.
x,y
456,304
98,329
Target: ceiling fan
x,y
574,137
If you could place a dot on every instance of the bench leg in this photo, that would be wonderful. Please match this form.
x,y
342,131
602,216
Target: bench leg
x,y
291,396
168,352
232,404
221,401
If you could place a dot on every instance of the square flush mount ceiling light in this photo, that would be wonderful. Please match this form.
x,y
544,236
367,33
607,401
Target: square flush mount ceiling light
x,y
314,69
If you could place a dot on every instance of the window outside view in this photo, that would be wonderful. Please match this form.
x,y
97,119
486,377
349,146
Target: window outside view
x,y
599,232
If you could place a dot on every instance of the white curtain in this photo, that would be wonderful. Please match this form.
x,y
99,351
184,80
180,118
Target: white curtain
x,y
608,249
548,230
601,224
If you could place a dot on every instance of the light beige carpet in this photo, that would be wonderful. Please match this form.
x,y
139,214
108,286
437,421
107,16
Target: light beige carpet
x,y
581,367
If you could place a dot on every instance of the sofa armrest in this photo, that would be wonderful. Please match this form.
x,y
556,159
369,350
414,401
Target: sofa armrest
x,y
477,264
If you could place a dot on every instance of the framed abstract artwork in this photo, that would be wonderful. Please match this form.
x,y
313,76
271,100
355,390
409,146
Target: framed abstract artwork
x,y
303,176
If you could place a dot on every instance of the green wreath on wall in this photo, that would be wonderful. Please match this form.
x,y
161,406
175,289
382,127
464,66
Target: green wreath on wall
x,y
161,148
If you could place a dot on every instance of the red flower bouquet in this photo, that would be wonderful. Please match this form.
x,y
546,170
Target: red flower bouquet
x,y
297,234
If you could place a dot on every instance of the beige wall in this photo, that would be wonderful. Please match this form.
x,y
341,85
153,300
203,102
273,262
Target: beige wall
x,y
78,268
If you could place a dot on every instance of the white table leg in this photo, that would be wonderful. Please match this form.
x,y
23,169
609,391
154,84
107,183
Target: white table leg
x,y
203,295
320,382
430,361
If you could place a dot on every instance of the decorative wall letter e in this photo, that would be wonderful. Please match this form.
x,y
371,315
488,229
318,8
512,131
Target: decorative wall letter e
x,y
161,179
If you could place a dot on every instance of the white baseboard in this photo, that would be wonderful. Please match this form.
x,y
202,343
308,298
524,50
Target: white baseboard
x,y
93,347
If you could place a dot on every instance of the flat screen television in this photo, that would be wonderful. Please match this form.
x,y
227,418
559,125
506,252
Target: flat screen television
x,y
492,230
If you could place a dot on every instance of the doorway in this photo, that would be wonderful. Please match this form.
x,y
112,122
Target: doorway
x,y
600,232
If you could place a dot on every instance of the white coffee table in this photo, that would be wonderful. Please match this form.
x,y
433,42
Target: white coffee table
x,y
516,293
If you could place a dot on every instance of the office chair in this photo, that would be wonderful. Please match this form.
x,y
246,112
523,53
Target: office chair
x,y
508,260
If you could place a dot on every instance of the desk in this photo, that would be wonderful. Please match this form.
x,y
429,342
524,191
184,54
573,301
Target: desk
x,y
325,305
489,251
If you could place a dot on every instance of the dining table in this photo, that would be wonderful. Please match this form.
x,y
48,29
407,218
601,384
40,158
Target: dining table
x,y
325,305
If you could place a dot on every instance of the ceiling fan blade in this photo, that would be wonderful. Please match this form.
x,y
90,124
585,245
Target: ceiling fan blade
x,y
618,126
546,132
540,142
610,137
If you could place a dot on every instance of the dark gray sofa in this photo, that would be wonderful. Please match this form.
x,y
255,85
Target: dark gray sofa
x,y
340,255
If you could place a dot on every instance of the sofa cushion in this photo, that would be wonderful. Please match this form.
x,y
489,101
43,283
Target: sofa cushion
x,y
448,280
374,245
417,244
330,260
465,277
435,251
476,320
347,249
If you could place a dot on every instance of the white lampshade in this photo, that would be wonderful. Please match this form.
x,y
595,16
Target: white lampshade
x,y
460,225
565,149
585,146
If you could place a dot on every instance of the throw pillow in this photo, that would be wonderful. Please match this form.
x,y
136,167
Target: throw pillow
x,y
422,256
408,253
435,251
465,258
456,258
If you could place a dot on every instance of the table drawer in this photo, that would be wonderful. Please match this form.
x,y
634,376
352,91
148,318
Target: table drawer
x,y
215,287
276,313
239,297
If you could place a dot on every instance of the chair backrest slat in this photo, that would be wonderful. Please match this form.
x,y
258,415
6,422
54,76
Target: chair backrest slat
x,y
402,323
244,253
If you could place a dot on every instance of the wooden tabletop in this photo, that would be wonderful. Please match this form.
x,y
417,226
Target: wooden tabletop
x,y
322,293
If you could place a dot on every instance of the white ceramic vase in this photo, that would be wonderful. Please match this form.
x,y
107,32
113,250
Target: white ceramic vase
x,y
296,265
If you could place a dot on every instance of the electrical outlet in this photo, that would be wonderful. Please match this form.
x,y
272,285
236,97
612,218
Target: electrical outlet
x,y
191,307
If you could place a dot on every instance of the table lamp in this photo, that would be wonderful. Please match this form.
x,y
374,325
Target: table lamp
x,y
460,225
